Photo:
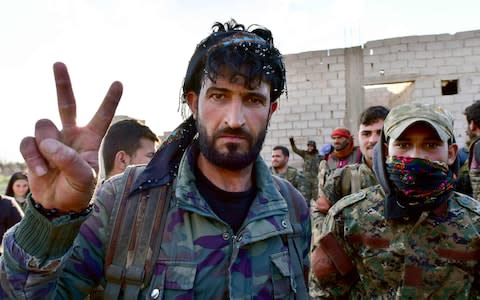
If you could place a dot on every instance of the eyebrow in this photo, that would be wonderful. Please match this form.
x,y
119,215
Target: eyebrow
x,y
224,90
426,139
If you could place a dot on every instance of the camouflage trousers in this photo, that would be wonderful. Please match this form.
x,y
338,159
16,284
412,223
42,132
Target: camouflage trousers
x,y
317,220
311,189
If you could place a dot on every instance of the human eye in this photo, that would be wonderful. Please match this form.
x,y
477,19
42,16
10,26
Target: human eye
x,y
402,145
366,133
217,96
256,100
433,145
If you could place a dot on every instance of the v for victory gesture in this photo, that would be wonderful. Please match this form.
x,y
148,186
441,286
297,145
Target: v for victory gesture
x,y
63,163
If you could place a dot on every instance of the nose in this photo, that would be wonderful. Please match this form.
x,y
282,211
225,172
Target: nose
x,y
418,152
235,117
373,139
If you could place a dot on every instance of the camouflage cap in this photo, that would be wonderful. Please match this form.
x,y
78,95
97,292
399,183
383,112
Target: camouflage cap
x,y
402,116
312,143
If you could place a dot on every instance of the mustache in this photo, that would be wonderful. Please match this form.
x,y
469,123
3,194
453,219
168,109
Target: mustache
x,y
233,131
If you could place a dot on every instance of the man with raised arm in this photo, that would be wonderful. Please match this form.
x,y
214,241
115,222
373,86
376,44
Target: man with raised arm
x,y
231,230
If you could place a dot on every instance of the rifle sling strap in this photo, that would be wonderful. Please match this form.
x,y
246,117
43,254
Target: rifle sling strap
x,y
132,247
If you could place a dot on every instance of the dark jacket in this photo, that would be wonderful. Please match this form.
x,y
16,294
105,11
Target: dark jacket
x,y
10,214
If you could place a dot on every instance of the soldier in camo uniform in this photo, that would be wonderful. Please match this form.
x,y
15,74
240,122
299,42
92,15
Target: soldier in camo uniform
x,y
229,224
344,153
412,236
311,161
469,181
280,167
351,178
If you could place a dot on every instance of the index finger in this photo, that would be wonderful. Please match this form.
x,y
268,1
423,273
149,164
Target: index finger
x,y
104,115
65,98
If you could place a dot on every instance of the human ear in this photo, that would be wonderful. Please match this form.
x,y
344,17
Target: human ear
x,y
122,160
452,153
192,101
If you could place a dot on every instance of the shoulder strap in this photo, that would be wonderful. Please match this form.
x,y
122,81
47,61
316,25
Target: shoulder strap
x,y
293,240
355,180
137,224
350,180
321,174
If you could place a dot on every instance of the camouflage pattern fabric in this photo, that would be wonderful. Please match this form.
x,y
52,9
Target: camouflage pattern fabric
x,y
436,256
327,167
338,184
474,167
463,184
293,176
335,189
311,161
200,258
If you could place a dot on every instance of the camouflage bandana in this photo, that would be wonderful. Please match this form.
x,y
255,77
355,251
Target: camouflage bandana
x,y
422,181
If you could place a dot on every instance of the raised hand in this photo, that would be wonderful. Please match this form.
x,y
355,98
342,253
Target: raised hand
x,y
63,163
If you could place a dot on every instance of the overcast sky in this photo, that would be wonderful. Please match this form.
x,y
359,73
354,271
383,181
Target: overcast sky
x,y
147,44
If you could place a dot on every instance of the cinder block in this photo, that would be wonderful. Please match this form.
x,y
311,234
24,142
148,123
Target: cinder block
x,y
307,116
315,123
292,117
336,83
456,61
416,46
426,38
444,37
442,53
309,132
474,42
455,44
435,46
300,124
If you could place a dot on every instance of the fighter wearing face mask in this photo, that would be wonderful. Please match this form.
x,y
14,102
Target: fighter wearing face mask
x,y
412,236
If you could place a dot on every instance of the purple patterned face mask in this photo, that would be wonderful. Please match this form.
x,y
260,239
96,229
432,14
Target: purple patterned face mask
x,y
420,180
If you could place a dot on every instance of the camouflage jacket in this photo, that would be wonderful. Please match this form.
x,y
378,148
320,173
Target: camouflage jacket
x,y
200,258
311,161
294,177
328,166
340,183
436,256
474,167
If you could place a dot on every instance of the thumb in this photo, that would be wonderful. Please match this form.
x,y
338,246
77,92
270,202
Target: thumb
x,y
68,162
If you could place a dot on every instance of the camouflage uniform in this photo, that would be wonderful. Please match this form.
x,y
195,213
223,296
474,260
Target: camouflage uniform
x,y
327,167
200,258
434,257
338,185
372,247
474,167
293,176
311,161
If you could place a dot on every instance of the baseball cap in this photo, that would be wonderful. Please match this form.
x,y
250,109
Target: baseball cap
x,y
401,117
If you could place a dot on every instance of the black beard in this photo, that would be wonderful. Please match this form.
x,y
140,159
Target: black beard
x,y
232,160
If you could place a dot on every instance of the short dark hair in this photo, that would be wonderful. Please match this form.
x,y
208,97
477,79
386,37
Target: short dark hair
x,y
284,150
372,114
472,113
125,136
15,176
232,45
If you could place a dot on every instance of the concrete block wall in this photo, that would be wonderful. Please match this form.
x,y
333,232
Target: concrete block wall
x,y
323,86
316,102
